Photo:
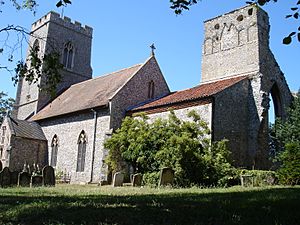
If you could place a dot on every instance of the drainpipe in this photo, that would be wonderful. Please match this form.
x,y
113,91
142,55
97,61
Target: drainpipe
x,y
94,145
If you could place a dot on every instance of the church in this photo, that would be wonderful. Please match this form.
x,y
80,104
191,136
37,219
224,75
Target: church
x,y
239,77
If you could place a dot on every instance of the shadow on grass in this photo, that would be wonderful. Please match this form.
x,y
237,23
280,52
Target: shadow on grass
x,y
272,206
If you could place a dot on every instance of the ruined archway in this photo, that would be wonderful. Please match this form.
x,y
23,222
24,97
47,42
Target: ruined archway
x,y
276,101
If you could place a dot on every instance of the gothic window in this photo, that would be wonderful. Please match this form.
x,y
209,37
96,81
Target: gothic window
x,y
151,89
54,150
81,152
68,55
36,45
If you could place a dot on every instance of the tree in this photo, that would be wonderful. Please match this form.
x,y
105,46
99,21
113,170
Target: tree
x,y
36,66
6,105
51,59
182,145
287,141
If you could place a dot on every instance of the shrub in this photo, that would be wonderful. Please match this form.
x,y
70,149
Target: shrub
x,y
181,145
289,171
151,179
259,177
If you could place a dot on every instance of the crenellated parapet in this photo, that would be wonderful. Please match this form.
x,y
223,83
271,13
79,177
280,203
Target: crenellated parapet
x,y
63,21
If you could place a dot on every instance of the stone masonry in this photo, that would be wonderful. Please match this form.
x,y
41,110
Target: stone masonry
x,y
239,76
52,33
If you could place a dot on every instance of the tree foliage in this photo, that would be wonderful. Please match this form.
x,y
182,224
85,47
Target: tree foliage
x,y
287,142
46,66
181,145
6,105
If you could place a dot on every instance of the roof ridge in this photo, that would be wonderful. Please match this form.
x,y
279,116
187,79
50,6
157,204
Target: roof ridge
x,y
133,74
235,80
108,74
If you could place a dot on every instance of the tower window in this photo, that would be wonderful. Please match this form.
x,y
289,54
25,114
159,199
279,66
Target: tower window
x,y
68,55
81,152
54,150
151,89
36,46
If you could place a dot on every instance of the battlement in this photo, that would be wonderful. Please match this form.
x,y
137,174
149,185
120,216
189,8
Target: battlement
x,y
65,21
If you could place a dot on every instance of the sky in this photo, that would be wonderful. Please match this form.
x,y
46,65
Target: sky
x,y
124,30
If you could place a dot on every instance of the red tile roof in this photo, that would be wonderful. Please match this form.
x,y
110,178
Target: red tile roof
x,y
199,92
87,94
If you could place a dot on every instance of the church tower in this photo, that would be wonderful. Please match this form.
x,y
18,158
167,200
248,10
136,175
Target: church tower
x,y
233,43
73,43
237,44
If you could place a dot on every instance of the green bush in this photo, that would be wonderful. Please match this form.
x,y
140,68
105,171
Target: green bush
x,y
289,171
151,179
285,140
259,177
184,146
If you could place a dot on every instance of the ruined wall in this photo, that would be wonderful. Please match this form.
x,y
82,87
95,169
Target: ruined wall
x,y
230,121
67,129
135,91
231,43
237,43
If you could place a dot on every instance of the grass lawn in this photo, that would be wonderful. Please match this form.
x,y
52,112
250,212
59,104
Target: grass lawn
x,y
71,204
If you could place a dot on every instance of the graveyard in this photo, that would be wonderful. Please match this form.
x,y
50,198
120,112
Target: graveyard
x,y
92,204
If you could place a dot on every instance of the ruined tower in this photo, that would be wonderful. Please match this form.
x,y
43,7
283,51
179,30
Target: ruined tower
x,y
73,43
237,44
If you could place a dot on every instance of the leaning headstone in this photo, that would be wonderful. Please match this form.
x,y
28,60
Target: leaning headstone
x,y
48,176
24,179
5,177
14,178
118,179
36,181
1,166
166,177
137,180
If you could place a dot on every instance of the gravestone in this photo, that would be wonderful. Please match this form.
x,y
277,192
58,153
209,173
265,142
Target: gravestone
x,y
166,177
14,178
118,179
24,179
137,180
1,165
48,176
5,177
36,181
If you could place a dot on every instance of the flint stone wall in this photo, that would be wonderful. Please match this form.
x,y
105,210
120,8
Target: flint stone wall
x,y
67,129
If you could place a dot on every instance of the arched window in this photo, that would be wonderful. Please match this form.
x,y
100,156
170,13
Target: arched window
x,y
68,55
54,150
151,89
81,152
36,45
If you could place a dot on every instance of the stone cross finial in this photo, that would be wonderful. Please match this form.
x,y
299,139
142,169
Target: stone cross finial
x,y
152,49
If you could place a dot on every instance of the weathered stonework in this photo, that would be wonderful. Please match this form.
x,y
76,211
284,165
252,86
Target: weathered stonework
x,y
204,110
68,128
19,150
231,43
239,75
52,32
136,91
237,44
